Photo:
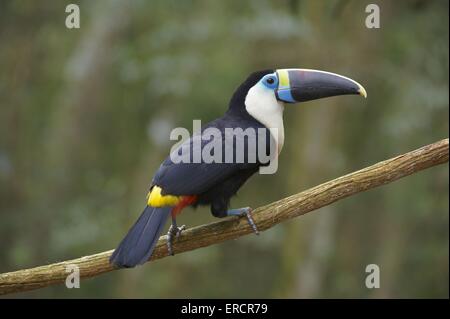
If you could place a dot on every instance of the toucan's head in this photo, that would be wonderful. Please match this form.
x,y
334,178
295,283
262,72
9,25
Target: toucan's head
x,y
263,95
265,91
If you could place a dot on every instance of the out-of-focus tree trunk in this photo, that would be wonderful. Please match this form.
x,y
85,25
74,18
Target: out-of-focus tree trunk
x,y
76,109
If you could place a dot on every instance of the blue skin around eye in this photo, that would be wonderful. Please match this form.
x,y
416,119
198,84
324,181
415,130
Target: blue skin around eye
x,y
273,85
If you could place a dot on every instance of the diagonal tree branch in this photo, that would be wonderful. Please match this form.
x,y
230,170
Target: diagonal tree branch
x,y
230,228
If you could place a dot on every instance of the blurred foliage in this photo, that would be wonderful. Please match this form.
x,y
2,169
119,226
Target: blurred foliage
x,y
85,116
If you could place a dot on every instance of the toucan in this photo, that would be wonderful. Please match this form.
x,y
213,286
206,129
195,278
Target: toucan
x,y
258,103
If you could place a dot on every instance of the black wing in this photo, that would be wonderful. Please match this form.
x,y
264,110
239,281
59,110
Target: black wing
x,y
196,178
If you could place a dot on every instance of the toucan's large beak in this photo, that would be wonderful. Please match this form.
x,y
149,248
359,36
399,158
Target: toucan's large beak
x,y
299,85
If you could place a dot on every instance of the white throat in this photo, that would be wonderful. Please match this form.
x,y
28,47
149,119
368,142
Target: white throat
x,y
264,107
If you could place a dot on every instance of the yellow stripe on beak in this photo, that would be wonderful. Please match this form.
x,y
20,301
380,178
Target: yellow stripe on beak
x,y
283,77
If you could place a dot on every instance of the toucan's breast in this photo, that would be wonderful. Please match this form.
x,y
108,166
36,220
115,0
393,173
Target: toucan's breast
x,y
263,106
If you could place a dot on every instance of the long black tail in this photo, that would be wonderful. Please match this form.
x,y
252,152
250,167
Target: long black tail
x,y
137,246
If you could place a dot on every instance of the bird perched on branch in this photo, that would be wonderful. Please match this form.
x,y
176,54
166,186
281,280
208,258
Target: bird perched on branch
x,y
255,112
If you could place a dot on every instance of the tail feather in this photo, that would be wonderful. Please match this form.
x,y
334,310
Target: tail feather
x,y
137,246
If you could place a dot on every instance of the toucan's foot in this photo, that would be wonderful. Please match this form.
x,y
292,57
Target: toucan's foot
x,y
247,211
173,233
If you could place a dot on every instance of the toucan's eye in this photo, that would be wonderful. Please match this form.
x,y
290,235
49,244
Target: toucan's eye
x,y
270,80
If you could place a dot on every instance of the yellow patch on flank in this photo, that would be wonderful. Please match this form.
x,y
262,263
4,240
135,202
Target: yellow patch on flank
x,y
284,78
156,199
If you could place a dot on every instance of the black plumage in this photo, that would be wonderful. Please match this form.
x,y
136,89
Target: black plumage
x,y
137,246
216,183
212,183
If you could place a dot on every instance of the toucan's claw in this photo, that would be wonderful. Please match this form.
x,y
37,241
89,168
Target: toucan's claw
x,y
247,211
173,233
251,221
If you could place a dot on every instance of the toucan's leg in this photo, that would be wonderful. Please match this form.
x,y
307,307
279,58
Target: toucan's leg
x,y
174,231
247,211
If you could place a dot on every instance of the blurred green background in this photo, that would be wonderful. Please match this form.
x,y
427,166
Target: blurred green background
x,y
85,116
